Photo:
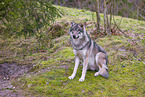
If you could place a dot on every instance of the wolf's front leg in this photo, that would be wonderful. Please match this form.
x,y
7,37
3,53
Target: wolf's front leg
x,y
85,65
77,61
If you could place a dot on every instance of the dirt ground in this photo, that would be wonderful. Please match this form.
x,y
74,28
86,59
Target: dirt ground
x,y
9,71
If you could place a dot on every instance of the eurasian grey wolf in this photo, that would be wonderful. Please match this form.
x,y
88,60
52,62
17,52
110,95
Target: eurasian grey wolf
x,y
88,52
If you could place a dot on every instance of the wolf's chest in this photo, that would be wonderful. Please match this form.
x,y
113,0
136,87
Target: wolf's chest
x,y
81,54
91,58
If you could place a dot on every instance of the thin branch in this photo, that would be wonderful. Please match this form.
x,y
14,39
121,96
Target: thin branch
x,y
139,7
142,16
118,27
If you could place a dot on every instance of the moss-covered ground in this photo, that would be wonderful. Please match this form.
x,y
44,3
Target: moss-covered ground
x,y
126,62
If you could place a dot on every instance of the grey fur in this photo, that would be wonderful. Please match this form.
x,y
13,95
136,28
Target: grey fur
x,y
87,51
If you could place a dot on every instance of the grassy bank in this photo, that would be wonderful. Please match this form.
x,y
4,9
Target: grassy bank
x,y
54,65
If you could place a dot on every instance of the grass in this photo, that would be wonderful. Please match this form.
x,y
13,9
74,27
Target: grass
x,y
126,75
126,62
126,79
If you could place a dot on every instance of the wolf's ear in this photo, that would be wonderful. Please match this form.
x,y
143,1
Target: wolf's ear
x,y
72,23
83,24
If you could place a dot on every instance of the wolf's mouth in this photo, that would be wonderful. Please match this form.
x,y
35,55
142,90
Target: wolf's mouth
x,y
75,37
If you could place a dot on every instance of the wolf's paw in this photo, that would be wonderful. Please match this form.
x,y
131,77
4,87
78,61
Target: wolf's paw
x,y
81,79
96,74
71,77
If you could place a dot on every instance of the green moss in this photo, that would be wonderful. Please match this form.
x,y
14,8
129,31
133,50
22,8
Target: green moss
x,y
123,81
66,53
62,56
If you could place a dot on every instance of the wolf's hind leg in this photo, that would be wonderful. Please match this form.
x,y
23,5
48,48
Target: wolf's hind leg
x,y
101,62
97,73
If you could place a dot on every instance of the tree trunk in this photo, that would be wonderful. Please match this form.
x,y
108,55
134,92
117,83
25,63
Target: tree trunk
x,y
105,17
98,15
111,7
97,10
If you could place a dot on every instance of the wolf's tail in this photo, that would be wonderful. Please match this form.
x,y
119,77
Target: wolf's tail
x,y
104,72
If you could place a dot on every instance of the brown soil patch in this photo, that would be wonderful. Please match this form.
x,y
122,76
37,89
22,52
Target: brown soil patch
x,y
10,71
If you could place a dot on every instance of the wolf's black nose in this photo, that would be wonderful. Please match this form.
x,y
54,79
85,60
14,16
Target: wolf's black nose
x,y
74,36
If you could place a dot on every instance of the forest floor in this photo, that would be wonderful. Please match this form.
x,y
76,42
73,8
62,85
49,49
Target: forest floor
x,y
26,69
8,72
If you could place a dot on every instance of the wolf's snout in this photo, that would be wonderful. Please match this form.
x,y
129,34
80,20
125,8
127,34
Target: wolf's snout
x,y
75,37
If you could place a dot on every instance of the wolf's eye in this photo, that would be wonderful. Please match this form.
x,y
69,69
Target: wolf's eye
x,y
71,30
79,32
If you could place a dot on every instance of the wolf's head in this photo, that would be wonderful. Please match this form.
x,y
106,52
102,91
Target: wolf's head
x,y
79,36
77,31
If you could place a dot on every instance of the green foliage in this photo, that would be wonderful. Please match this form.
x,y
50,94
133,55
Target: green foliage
x,y
27,17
